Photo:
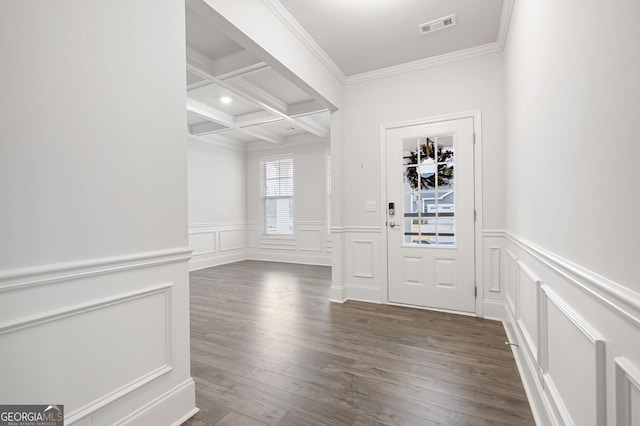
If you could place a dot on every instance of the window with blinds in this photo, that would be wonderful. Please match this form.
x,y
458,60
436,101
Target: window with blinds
x,y
276,178
329,197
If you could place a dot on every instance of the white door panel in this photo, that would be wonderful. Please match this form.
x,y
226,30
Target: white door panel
x,y
431,233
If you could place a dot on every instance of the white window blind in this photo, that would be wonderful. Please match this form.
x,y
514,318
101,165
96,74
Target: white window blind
x,y
276,177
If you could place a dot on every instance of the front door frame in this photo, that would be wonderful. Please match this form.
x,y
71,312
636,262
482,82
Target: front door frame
x,y
476,115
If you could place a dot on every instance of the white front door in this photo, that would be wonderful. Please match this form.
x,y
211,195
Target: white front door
x,y
431,255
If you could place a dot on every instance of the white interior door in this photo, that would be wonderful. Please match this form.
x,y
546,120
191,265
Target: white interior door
x,y
431,259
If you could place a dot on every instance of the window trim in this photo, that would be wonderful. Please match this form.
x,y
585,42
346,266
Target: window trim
x,y
263,225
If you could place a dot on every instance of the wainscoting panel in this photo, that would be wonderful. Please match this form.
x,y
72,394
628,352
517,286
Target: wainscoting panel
x,y
491,283
203,242
93,332
232,239
217,243
115,335
363,275
527,307
310,240
362,258
627,392
309,244
573,364
577,335
494,269
511,280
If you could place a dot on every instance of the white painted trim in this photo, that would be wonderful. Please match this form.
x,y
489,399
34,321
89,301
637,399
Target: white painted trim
x,y
548,295
538,402
627,375
91,407
494,269
505,21
31,321
202,263
429,62
39,275
494,310
94,406
197,225
476,115
301,34
284,257
362,293
624,301
184,389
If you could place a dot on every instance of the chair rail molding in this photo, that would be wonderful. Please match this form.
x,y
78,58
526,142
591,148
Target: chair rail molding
x,y
47,274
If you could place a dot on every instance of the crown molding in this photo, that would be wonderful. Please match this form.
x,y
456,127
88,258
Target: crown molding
x,y
505,20
280,12
429,62
296,29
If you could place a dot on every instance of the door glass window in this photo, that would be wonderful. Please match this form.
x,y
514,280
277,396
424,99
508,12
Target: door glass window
x,y
429,191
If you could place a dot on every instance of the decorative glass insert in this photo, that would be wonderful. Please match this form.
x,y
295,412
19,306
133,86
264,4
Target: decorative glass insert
x,y
429,191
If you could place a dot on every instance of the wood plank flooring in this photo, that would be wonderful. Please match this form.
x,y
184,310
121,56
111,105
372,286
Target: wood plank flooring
x,y
268,348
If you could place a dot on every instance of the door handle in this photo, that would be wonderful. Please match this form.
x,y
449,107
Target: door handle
x,y
393,224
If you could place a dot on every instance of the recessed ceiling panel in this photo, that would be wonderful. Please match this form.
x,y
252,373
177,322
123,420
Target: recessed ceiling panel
x,y
206,39
213,95
362,36
277,86
284,128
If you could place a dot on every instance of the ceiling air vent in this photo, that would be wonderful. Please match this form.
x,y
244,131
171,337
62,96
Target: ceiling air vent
x,y
437,24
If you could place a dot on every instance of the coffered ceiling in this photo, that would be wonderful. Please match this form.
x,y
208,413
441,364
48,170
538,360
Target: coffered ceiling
x,y
234,97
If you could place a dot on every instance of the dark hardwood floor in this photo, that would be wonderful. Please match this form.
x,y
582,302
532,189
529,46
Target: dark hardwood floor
x,y
267,347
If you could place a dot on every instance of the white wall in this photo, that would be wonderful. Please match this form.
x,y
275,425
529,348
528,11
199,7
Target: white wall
x,y
573,297
217,203
573,95
473,84
93,248
310,242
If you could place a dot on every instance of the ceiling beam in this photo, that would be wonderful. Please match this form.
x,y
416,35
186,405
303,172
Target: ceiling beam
x,y
222,118
206,128
305,108
237,65
256,119
203,67
228,67
270,103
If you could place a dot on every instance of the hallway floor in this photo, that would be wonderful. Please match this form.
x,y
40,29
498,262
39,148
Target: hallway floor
x,y
267,347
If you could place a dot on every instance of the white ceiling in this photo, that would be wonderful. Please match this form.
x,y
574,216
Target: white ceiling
x,y
366,35
354,38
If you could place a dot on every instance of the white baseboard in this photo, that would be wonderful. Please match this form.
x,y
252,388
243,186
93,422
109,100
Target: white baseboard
x,y
172,408
205,261
363,294
531,385
337,294
493,309
264,256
